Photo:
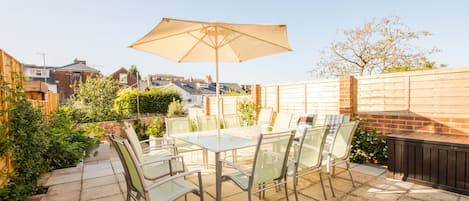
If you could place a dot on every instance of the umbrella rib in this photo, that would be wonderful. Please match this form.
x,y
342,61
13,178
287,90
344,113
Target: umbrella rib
x,y
199,40
257,38
167,36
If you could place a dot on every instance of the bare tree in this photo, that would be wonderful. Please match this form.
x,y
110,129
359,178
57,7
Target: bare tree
x,y
377,46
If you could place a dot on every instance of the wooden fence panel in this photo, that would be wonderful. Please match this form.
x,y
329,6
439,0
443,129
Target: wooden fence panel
x,y
11,73
323,97
229,104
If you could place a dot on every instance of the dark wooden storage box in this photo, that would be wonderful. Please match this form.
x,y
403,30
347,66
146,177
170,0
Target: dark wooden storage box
x,y
440,161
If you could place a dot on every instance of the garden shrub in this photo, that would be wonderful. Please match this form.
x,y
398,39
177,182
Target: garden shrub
x,y
154,100
93,102
247,109
368,146
36,147
24,140
156,128
175,109
68,144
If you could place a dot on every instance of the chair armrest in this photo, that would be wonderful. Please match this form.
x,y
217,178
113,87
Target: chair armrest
x,y
165,158
233,165
171,178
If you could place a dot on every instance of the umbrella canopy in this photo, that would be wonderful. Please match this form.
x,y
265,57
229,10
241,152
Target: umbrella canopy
x,y
194,41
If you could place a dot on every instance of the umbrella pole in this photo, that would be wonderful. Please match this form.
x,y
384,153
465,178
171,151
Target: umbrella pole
x,y
217,92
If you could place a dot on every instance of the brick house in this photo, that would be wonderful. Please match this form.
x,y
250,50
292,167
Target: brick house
x,y
124,78
69,76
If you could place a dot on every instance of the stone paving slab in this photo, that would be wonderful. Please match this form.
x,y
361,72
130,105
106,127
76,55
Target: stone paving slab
x,y
104,181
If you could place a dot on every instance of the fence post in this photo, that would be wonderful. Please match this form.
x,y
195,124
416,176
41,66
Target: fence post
x,y
256,96
207,105
347,95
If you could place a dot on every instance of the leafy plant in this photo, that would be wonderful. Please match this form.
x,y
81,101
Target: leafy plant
x,y
156,128
94,130
94,100
247,109
68,143
368,146
23,139
150,101
175,109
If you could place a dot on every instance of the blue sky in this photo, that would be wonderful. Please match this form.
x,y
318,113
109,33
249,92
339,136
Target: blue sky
x,y
100,31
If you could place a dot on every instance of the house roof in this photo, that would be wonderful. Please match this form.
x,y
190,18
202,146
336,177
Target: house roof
x,y
193,89
78,66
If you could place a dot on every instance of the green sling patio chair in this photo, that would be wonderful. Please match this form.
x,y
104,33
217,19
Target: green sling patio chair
x,y
206,123
269,165
178,125
308,157
163,146
265,117
155,171
171,186
341,145
282,121
231,121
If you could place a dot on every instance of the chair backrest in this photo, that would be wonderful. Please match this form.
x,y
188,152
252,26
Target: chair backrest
x,y
133,139
271,156
177,125
231,121
343,139
265,116
133,174
206,123
309,154
282,120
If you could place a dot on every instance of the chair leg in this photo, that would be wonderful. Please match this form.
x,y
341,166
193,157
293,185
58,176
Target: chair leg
x,y
249,194
286,189
333,168
330,183
350,172
322,185
234,155
295,183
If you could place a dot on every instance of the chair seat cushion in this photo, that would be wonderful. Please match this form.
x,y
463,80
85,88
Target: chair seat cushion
x,y
172,190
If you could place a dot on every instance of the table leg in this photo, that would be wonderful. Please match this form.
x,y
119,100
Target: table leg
x,y
218,176
205,158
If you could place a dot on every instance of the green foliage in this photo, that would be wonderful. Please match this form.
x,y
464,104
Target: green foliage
x,y
35,147
150,101
234,93
368,146
175,109
68,144
24,140
94,100
247,109
156,128
133,71
94,130
428,65
373,48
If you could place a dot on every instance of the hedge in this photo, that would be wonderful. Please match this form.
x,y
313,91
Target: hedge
x,y
155,100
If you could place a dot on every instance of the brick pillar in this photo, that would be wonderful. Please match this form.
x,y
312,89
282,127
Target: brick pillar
x,y
207,105
347,97
256,95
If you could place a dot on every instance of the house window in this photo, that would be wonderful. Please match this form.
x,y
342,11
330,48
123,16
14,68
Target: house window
x,y
76,77
123,78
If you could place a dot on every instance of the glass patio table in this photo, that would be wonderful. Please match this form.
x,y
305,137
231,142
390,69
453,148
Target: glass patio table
x,y
229,139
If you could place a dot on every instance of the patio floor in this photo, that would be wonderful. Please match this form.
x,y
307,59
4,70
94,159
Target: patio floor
x,y
104,181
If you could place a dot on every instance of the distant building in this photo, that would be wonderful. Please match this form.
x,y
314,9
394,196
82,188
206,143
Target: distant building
x,y
124,78
68,77
192,94
41,73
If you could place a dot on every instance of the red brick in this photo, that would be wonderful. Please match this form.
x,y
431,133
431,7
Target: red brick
x,y
422,118
391,117
406,118
377,116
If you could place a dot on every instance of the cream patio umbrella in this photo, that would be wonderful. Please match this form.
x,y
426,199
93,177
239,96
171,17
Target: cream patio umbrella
x,y
195,41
